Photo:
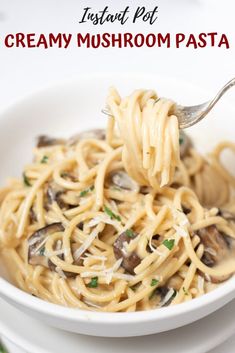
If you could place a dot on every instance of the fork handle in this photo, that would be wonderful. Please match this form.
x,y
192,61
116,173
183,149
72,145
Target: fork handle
x,y
223,90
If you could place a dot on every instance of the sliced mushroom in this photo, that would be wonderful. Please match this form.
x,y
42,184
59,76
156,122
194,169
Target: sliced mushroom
x,y
80,225
122,180
69,176
186,210
175,282
216,249
229,216
185,144
219,279
153,244
54,193
46,141
32,215
58,246
79,261
130,260
64,199
36,244
145,189
163,292
98,134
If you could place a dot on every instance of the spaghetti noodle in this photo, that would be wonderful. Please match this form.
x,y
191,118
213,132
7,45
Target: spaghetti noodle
x,y
131,218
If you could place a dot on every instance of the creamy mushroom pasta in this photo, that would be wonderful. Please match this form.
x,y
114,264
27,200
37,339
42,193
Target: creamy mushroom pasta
x,y
127,219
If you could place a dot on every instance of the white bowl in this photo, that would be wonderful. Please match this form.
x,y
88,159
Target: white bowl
x,y
74,106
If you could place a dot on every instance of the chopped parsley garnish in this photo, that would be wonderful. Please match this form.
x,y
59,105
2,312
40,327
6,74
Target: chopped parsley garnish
x,y
64,175
93,283
185,291
26,180
111,214
169,243
2,349
154,282
44,159
85,192
181,140
42,251
134,288
130,233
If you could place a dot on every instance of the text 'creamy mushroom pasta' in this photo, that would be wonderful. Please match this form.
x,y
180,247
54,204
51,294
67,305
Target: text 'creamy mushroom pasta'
x,y
127,219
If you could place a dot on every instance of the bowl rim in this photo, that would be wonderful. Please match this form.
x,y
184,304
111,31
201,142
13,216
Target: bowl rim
x,y
9,291
225,291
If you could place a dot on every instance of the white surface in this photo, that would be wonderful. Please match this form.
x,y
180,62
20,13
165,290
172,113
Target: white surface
x,y
222,348
63,110
23,71
12,347
227,347
36,337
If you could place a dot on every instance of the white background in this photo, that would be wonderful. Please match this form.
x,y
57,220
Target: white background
x,y
23,71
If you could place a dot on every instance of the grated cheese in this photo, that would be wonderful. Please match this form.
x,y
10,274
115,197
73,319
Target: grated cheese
x,y
207,277
93,274
117,275
60,272
40,245
87,243
125,248
181,231
123,276
102,218
154,249
33,240
210,251
129,247
114,206
95,257
111,271
200,284
54,253
168,296
85,199
183,222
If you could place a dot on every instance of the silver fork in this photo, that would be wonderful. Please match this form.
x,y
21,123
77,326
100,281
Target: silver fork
x,y
189,116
